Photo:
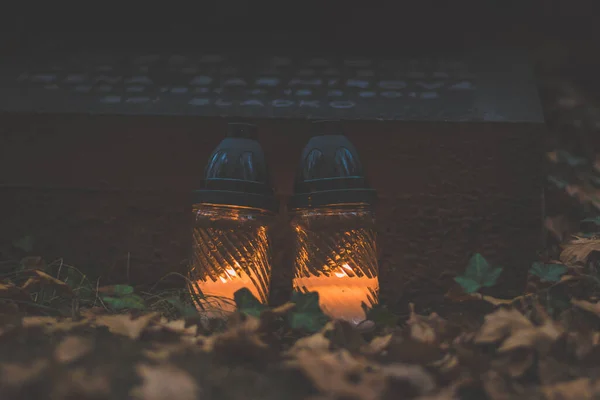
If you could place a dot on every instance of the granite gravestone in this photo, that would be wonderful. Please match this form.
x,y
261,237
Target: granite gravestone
x,y
452,145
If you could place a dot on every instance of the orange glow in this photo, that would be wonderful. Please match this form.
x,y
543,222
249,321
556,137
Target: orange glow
x,y
341,295
342,269
217,296
229,252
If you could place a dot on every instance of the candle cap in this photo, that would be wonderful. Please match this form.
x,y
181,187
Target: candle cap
x,y
330,171
236,173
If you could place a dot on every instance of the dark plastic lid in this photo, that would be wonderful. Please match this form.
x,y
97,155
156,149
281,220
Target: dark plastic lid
x,y
236,173
330,171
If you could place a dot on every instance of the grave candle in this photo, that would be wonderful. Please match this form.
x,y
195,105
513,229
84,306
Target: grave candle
x,y
232,212
335,228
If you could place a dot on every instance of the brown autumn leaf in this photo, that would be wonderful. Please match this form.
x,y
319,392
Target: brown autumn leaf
x,y
72,348
8,290
496,386
514,364
377,345
175,326
163,351
587,306
17,375
81,383
124,325
165,382
242,338
578,250
425,329
501,324
338,374
539,337
583,343
51,324
577,389
315,342
42,278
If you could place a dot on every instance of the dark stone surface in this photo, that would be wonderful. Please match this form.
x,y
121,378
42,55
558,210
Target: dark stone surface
x,y
480,85
446,190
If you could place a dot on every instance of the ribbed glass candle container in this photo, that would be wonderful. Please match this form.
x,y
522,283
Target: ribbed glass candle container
x,y
333,218
336,257
231,216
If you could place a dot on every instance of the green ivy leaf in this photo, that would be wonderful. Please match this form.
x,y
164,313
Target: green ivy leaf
x,y
248,304
380,315
122,290
307,315
468,285
595,220
559,183
570,159
131,301
184,309
25,243
548,272
479,273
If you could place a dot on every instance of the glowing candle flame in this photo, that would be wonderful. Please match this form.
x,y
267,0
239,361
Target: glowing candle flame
x,y
340,273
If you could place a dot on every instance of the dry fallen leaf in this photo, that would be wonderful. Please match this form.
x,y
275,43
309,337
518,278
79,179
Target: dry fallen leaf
x,y
163,351
124,325
242,338
44,279
72,348
496,386
338,374
578,250
425,329
587,306
516,363
81,383
577,389
16,375
316,341
51,324
501,324
377,345
539,337
165,382
176,326
10,291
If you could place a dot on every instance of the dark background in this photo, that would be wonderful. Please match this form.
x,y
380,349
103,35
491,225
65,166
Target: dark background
x,y
330,25
349,27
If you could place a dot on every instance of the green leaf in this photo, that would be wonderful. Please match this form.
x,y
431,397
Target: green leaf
x,y
307,315
559,183
479,273
248,304
468,285
122,290
595,220
492,276
548,272
25,243
130,301
570,159
380,315
184,309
